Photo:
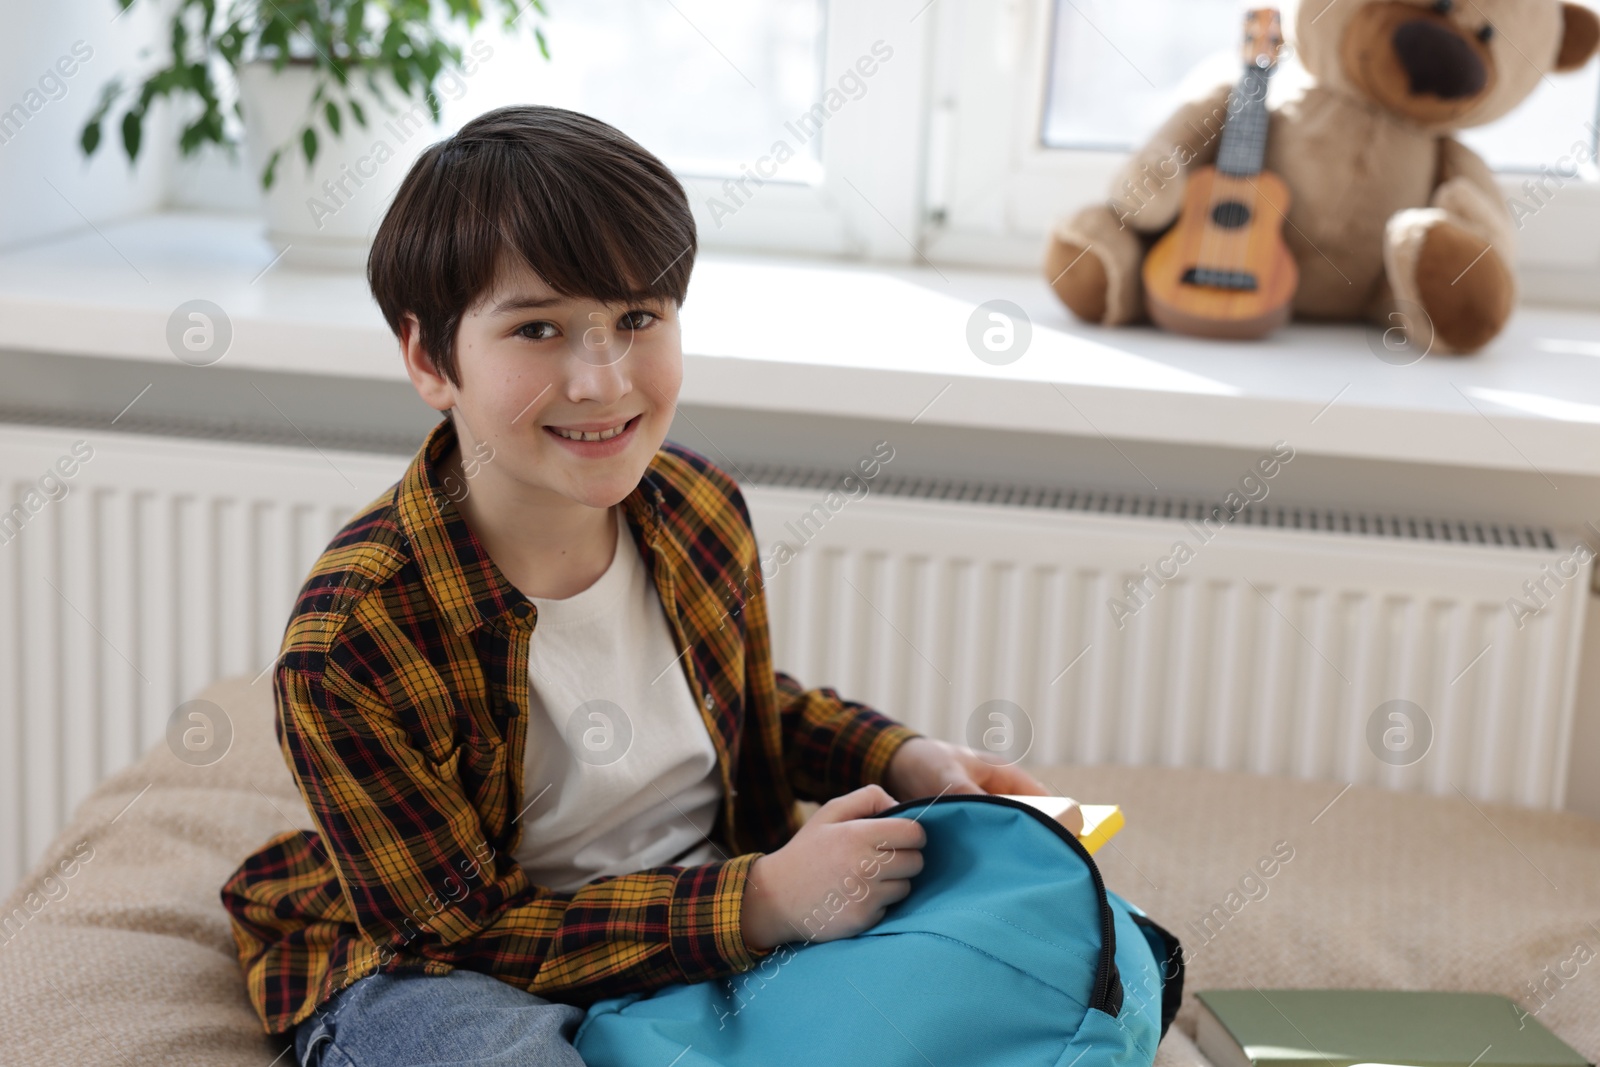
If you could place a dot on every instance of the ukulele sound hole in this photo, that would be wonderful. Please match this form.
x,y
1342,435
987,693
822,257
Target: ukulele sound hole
x,y
1230,214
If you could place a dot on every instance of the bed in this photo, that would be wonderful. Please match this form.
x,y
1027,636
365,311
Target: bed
x,y
129,959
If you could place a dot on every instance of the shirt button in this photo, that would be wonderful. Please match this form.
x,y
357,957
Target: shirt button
x,y
522,609
708,701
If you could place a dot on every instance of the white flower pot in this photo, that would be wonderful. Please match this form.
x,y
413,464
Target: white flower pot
x,y
325,217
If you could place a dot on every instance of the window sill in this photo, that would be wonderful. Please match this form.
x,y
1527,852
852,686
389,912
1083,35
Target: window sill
x,y
814,337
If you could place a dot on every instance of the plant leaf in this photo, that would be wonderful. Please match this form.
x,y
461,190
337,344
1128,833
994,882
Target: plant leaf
x,y
90,137
132,133
271,172
388,44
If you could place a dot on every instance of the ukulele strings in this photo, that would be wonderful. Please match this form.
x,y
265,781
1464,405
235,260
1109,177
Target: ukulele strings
x,y
1242,146
1213,242
1226,250
1258,154
1238,239
1244,136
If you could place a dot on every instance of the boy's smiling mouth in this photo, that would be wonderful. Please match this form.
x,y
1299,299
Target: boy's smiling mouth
x,y
595,439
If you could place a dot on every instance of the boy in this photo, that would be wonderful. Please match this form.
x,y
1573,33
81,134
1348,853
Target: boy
x,y
527,694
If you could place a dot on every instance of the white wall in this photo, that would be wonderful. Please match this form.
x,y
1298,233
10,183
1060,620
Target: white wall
x,y
46,186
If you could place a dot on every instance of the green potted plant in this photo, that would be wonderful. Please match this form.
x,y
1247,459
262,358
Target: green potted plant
x,y
344,87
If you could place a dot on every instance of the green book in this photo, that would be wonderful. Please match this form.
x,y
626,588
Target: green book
x,y
1344,1027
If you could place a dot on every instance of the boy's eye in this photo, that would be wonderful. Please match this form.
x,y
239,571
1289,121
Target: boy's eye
x,y
637,320
538,331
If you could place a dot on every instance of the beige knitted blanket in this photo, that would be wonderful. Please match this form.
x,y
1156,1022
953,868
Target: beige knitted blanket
x,y
128,960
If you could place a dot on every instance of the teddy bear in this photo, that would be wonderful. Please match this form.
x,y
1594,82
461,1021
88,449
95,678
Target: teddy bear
x,y
1391,218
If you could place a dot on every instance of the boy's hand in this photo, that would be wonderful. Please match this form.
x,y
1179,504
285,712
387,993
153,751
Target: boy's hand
x,y
926,767
836,875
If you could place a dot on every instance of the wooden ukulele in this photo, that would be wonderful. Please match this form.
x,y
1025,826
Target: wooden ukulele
x,y
1223,269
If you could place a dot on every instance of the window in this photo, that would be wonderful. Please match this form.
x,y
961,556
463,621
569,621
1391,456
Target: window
x,y
1037,102
952,131
791,123
1562,112
722,76
1112,81
794,125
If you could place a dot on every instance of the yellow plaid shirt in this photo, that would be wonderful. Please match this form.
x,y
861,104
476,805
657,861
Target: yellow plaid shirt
x,y
402,700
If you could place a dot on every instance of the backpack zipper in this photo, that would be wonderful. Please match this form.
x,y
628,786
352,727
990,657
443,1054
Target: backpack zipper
x,y
1108,994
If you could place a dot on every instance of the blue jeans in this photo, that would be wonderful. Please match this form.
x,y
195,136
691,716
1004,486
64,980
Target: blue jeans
x,y
412,1020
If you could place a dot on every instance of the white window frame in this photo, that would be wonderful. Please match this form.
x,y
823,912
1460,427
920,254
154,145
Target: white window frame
x,y
993,190
864,205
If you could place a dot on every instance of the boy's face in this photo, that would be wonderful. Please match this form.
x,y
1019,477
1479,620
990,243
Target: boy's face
x,y
541,375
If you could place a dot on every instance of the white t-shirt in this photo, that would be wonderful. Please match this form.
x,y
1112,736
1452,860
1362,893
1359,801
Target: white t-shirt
x,y
620,773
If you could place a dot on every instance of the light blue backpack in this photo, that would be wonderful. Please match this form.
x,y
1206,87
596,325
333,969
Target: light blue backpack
x,y
1009,950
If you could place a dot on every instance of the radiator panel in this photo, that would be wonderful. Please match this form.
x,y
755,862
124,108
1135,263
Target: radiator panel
x,y
1268,653
172,563
168,564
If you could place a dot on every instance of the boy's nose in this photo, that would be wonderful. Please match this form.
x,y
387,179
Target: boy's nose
x,y
597,374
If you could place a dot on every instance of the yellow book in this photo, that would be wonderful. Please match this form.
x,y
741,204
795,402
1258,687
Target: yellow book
x,y
1100,821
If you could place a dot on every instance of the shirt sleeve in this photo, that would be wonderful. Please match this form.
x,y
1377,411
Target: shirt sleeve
x,y
832,745
421,881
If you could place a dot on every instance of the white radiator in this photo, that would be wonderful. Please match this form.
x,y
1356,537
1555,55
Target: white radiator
x,y
169,563
1271,652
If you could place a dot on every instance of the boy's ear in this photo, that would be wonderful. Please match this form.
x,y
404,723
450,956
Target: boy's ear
x,y
433,387
1580,38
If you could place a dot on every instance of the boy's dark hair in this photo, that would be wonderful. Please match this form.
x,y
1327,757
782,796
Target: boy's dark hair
x,y
591,212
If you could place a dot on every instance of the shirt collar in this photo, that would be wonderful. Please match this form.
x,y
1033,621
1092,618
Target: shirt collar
x,y
466,586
